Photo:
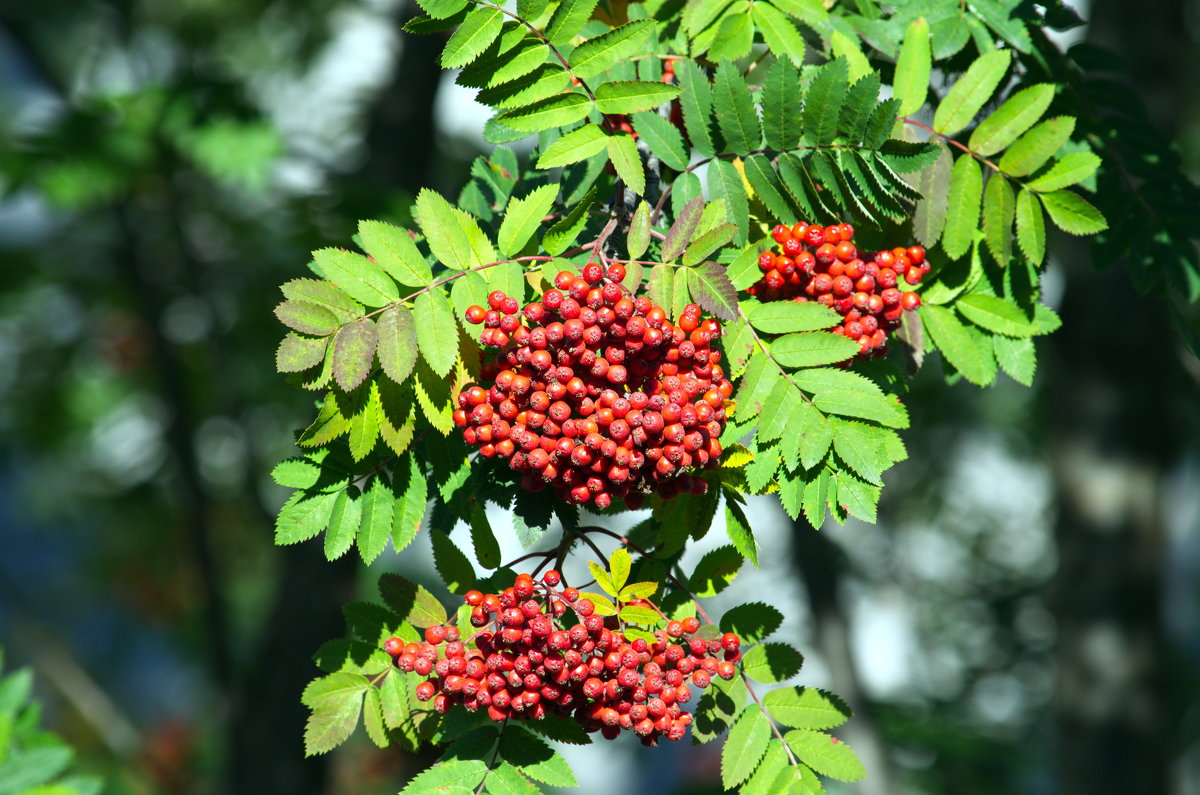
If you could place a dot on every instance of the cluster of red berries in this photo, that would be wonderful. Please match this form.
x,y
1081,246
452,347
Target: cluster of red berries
x,y
821,263
525,662
597,394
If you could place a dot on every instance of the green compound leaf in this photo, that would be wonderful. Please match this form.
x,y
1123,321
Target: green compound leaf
x,y
962,206
781,95
442,9
773,774
769,190
715,571
703,245
1015,116
393,249
734,110
336,701
1017,357
996,314
600,53
911,82
680,233
1035,147
623,152
442,231
296,353
865,405
1071,169
823,103
969,94
533,757
556,111
999,212
779,32
568,19
752,621
1072,213
562,234
638,239
522,218
733,39
725,182
806,708
436,330
696,102
955,343
933,183
771,662
303,516
360,278
861,100
825,754
1031,227
737,527
574,146
813,348
631,96
663,138
504,779
864,448
412,602
474,35
411,494
745,746
307,317
343,523
781,317
458,777
376,525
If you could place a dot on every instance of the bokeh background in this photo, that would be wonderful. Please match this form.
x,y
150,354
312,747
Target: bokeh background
x,y
1025,618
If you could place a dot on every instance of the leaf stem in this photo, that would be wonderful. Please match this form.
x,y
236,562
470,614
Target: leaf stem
x,y
770,720
952,142
545,40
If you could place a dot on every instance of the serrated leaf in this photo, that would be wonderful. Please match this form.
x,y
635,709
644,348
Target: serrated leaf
x,y
823,102
933,182
1031,227
880,124
732,39
603,579
866,405
504,779
1071,169
442,9
860,446
962,207
393,249
752,621
712,290
357,276
781,317
955,343
604,605
638,239
564,231
1029,152
638,590
825,754
637,614
619,564
1017,357
574,146
533,757
452,565
436,330
1072,213
725,182
996,314
412,602
780,97
971,91
364,424
715,571
568,19
333,720
631,96
771,662
810,433
774,765
455,777
913,66
1018,113
442,231
474,35
623,152
847,48
999,212
344,521
780,35
745,746
661,286
556,111
813,348
522,218
302,517
806,708
734,110
663,138
861,101
307,317
696,102
354,353
737,527
376,524
602,52
296,353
